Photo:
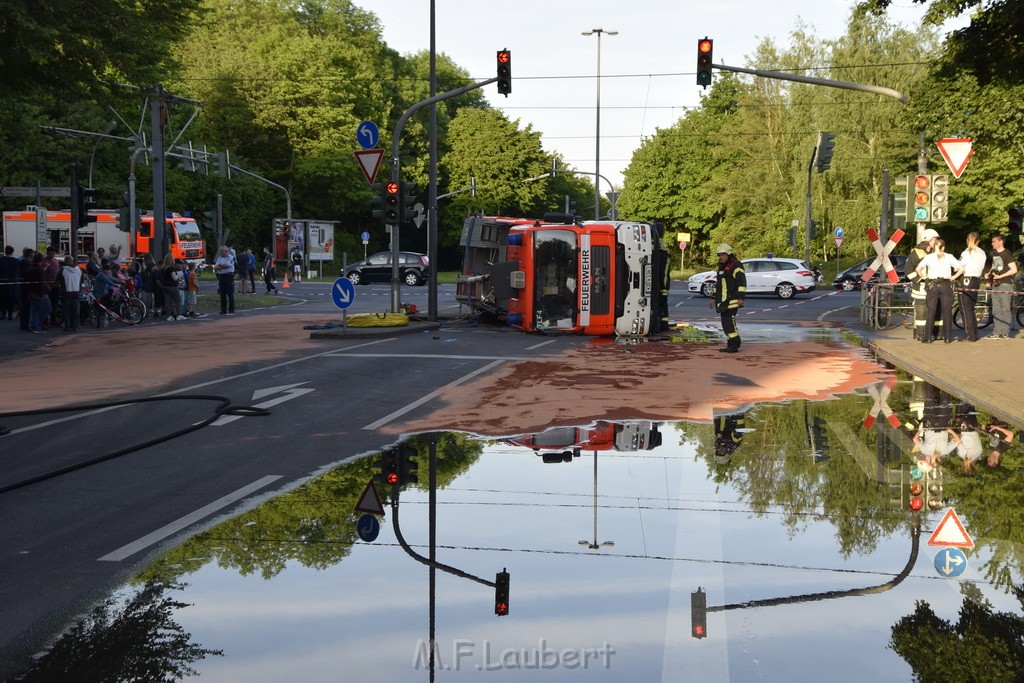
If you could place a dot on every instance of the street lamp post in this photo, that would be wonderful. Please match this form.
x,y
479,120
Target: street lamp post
x,y
595,545
597,132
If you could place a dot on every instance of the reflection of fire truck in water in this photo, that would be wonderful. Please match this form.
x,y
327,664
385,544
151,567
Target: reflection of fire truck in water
x,y
102,230
560,275
562,444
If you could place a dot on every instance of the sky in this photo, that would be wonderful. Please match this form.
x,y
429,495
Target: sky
x,y
647,70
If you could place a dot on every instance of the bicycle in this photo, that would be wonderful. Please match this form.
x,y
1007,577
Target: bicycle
x,y
884,311
123,306
983,310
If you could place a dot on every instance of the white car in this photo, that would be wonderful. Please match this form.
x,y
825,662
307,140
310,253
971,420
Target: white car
x,y
784,277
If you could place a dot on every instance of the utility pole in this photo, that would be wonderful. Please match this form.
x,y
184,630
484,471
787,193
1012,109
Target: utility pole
x,y
158,115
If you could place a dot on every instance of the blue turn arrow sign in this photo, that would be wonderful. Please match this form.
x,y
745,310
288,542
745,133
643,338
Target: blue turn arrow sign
x,y
343,292
951,562
367,135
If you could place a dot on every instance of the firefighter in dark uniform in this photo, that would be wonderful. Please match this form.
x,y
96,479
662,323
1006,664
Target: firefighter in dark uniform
x,y
728,436
917,292
730,292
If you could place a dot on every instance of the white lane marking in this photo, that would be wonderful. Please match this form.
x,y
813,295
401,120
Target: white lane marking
x,y
537,346
192,517
420,401
288,393
194,387
445,356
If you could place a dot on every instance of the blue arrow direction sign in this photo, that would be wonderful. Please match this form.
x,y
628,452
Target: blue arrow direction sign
x,y
343,292
368,528
951,562
365,237
367,135
839,233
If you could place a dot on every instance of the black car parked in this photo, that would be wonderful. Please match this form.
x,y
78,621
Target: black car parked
x,y
849,279
413,269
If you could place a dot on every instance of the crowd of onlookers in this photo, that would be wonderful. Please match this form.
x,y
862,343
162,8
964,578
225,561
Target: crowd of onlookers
x,y
43,292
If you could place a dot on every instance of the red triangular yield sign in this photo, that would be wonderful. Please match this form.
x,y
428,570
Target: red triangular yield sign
x,y
369,502
950,532
369,161
957,152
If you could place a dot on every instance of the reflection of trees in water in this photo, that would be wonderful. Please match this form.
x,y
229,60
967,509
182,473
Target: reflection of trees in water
x,y
776,473
315,524
137,642
983,645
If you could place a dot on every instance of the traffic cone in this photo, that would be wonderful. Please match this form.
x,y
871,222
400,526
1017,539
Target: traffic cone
x,y
286,285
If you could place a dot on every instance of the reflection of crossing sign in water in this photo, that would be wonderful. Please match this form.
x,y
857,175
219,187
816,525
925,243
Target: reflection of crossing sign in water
x,y
343,292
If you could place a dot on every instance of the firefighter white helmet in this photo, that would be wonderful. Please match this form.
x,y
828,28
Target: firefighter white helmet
x,y
929,234
723,249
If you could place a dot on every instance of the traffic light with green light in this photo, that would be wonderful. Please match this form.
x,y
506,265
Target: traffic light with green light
x,y
922,211
705,49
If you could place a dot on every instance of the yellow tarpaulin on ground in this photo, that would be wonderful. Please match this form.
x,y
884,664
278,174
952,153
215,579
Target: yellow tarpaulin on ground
x,y
378,320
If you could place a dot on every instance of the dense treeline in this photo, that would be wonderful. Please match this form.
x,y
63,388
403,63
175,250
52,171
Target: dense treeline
x,y
282,86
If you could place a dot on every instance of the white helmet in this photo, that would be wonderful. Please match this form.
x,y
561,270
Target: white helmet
x,y
929,234
723,249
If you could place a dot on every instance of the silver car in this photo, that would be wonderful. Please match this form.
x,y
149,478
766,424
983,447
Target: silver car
x,y
783,277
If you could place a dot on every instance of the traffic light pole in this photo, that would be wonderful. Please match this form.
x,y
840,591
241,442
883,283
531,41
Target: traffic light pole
x,y
807,208
846,85
395,177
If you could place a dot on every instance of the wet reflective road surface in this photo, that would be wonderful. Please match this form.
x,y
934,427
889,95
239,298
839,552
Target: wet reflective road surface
x,y
773,544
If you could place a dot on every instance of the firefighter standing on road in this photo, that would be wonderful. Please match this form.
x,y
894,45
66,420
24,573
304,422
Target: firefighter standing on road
x,y
729,295
917,291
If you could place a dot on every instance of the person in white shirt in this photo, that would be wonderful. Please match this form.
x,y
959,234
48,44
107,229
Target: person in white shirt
x,y
973,259
938,270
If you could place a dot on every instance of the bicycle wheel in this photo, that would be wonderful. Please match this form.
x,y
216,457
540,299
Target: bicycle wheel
x,y
92,317
58,314
983,312
883,316
958,318
132,311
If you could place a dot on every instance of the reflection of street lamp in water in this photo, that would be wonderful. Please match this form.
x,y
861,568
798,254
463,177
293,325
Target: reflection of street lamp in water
x,y
595,545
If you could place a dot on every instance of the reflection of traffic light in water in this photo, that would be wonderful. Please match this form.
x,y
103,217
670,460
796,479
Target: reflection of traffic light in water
x,y
699,613
501,580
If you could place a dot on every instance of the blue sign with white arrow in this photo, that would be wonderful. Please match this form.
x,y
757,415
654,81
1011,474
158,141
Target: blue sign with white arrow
x,y
951,562
368,528
367,135
839,233
343,292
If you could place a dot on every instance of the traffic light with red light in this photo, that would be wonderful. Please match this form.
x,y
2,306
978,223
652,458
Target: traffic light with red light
x,y
1016,222
392,204
705,48
916,489
699,613
501,593
504,58
389,469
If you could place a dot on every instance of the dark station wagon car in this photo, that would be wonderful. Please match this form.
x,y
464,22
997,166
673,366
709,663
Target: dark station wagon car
x,y
849,279
413,269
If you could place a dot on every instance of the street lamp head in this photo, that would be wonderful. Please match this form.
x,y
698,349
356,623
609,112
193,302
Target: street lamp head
x,y
599,31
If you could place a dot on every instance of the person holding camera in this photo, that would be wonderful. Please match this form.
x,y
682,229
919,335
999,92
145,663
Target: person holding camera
x,y
1002,269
